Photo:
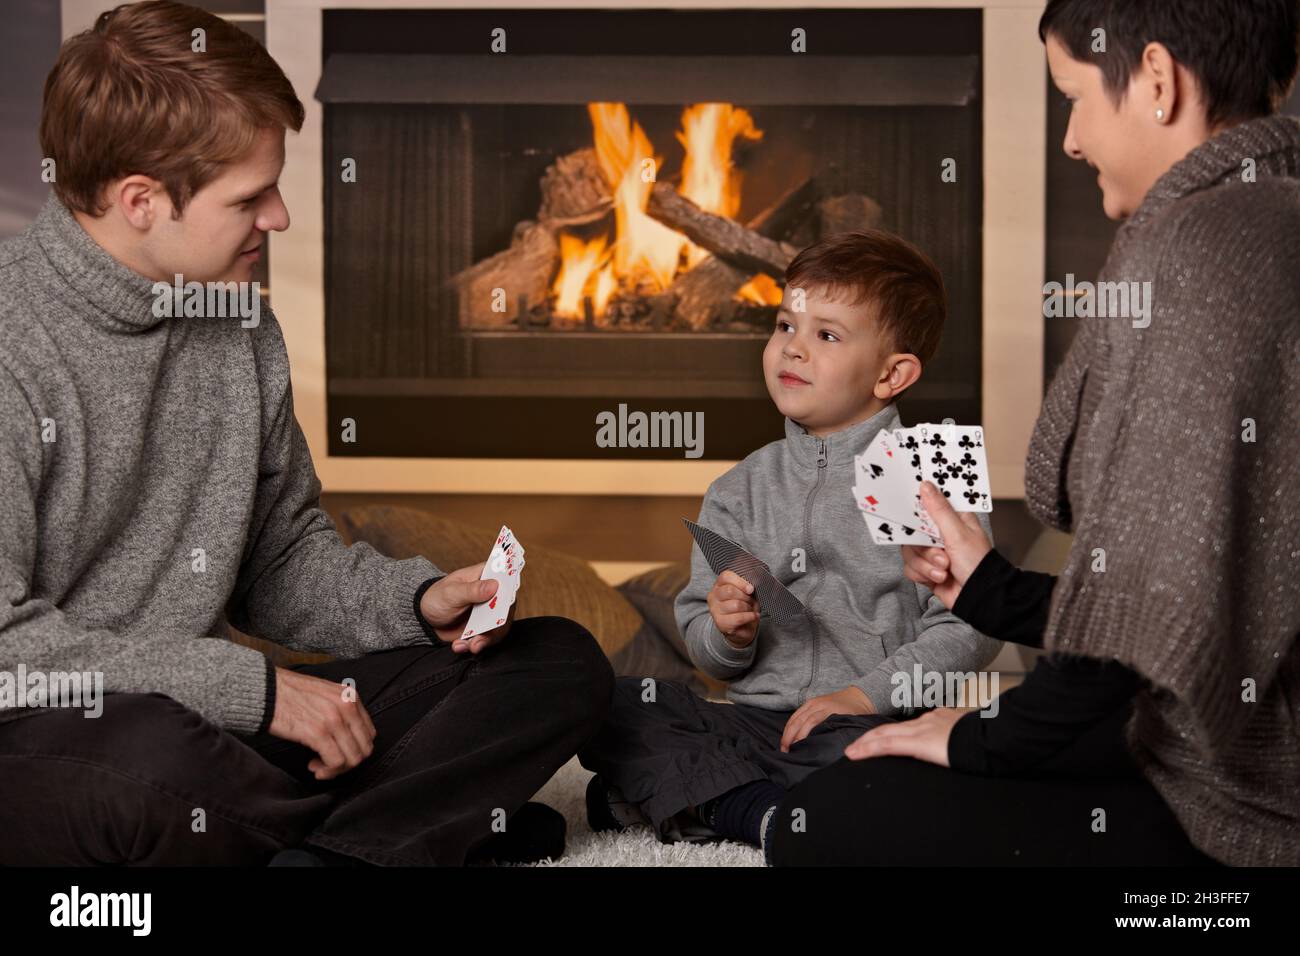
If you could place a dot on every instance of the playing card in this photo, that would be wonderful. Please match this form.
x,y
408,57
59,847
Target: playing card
x,y
886,487
504,565
886,531
908,441
723,554
888,476
974,492
953,458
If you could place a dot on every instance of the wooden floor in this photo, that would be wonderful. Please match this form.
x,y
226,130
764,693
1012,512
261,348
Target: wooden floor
x,y
620,528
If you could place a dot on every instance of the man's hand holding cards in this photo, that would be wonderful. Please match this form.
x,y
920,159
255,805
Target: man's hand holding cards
x,y
888,476
472,608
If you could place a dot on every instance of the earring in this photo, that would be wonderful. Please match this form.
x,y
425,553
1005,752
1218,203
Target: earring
x,y
1160,115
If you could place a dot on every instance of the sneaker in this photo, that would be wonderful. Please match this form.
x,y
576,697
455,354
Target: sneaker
x,y
608,809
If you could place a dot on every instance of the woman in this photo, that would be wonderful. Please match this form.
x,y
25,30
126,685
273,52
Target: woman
x,y
1162,727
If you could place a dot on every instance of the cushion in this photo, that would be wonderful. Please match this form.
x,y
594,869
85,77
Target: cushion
x,y
558,584
662,653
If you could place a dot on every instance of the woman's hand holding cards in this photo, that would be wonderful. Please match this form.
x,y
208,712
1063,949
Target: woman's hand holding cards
x,y
734,609
945,570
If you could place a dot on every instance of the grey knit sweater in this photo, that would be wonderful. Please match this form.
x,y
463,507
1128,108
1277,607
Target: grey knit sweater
x,y
1174,449
153,482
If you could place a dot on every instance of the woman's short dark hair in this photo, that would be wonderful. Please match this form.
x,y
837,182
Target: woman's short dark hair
x,y
1242,52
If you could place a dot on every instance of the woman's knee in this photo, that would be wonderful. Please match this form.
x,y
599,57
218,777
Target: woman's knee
x,y
835,815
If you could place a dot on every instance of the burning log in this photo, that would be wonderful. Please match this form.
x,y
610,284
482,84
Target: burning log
x,y
574,191
725,238
792,208
523,272
702,291
851,212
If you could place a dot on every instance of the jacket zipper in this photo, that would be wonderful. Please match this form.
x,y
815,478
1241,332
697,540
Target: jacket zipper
x,y
812,553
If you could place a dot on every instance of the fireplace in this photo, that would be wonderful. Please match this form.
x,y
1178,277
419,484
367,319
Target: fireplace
x,y
600,216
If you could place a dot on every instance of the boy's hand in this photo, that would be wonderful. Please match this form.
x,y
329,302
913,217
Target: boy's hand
x,y
850,700
734,609
925,738
945,571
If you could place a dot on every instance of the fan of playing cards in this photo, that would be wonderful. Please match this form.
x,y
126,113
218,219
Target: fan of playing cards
x,y
504,565
889,473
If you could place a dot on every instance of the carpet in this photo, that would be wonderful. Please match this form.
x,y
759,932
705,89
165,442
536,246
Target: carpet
x,y
636,846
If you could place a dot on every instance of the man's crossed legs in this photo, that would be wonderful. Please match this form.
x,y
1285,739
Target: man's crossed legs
x,y
462,742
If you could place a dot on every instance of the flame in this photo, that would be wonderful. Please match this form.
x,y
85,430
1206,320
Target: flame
x,y
708,179
579,262
606,285
762,289
645,252
643,247
707,134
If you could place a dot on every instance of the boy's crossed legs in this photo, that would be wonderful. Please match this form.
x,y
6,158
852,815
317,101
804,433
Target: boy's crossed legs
x,y
698,769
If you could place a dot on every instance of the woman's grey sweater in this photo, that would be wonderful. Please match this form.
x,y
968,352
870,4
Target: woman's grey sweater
x,y
1172,452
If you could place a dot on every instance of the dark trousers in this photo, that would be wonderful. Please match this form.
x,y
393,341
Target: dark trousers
x,y
896,811
462,742
677,750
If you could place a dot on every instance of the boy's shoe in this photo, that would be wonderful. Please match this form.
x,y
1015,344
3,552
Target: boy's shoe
x,y
765,840
608,809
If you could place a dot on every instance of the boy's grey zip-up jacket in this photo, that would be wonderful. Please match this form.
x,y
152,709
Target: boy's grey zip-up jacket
x,y
791,504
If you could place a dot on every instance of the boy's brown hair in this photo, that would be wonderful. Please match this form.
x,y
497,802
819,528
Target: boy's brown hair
x,y
881,268
131,96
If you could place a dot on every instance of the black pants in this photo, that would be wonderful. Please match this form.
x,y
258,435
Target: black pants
x,y
462,742
677,750
896,811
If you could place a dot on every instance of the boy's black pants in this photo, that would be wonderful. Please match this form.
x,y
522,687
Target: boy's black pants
x,y
677,750
462,741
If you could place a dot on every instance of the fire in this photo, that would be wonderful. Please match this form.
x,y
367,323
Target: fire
x,y
708,179
762,289
645,254
581,262
643,247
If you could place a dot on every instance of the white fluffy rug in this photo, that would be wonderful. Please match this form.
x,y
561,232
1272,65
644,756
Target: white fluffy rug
x,y
566,792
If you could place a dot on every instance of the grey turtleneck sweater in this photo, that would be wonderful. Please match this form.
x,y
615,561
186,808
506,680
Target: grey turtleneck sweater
x,y
155,483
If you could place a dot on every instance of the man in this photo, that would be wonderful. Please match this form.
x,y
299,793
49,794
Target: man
x,y
156,484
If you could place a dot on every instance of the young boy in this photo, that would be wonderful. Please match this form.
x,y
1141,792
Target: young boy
x,y
860,316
